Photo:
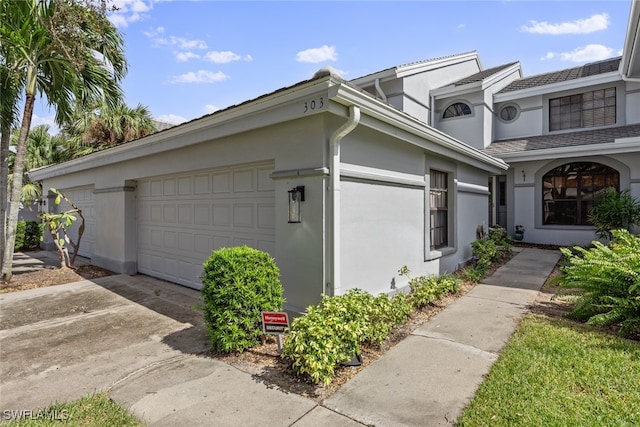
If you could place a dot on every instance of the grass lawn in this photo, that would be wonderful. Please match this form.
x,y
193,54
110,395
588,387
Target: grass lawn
x,y
92,411
554,372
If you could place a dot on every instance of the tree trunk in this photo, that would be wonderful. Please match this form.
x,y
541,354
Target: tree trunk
x,y
16,186
4,178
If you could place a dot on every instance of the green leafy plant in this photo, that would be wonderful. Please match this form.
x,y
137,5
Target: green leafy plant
x,y
28,235
426,290
606,281
332,331
614,210
494,247
238,284
59,224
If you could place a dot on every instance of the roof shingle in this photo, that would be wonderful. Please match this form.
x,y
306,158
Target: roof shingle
x,y
586,70
542,142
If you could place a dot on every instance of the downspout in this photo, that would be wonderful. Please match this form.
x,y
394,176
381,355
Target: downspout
x,y
334,193
380,91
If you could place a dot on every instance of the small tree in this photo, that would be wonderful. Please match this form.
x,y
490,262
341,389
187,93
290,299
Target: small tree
x,y
614,210
59,224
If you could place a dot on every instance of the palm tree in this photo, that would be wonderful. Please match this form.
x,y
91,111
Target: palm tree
x,y
106,126
66,50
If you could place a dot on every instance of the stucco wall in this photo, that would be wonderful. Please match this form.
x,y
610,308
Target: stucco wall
x,y
526,197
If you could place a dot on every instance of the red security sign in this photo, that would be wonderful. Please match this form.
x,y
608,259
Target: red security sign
x,y
274,322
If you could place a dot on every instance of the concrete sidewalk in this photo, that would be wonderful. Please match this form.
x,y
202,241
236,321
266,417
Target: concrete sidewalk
x,y
139,340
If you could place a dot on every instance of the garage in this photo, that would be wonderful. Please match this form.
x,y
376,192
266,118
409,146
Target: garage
x,y
182,218
83,198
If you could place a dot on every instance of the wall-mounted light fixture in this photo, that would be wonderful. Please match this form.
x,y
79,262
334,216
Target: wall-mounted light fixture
x,y
296,195
524,175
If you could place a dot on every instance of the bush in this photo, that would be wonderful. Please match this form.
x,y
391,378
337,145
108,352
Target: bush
x,y
492,248
28,235
606,280
614,210
426,290
238,284
331,332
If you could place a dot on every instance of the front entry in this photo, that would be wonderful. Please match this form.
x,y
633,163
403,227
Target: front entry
x,y
498,201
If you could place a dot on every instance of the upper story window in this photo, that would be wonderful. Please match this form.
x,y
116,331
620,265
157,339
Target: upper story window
x,y
568,191
456,109
583,110
509,113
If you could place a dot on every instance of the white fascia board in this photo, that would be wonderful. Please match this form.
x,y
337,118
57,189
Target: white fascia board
x,y
484,84
626,145
418,67
456,91
265,111
514,95
415,131
631,50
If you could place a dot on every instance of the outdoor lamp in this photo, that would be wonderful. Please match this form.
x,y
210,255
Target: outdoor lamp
x,y
296,195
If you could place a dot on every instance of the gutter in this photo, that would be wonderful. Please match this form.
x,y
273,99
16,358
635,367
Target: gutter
x,y
334,194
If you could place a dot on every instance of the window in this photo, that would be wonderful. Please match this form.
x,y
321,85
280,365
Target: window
x,y
509,113
456,110
583,110
439,211
568,191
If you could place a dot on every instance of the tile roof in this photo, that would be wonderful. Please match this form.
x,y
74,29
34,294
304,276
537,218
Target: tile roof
x,y
541,142
477,77
586,70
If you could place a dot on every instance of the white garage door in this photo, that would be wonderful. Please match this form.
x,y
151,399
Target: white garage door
x,y
183,218
82,197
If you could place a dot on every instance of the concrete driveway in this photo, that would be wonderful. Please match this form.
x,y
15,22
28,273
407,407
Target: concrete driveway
x,y
137,338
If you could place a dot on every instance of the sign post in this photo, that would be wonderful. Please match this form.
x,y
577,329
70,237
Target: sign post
x,y
275,323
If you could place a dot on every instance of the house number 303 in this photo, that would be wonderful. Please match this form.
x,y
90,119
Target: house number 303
x,y
314,104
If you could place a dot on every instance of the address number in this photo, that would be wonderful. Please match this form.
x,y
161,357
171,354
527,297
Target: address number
x,y
313,105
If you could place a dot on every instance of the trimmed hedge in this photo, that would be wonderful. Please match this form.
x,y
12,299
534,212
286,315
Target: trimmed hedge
x,y
238,284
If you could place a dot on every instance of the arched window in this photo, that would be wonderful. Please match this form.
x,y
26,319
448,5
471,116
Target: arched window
x,y
568,191
456,109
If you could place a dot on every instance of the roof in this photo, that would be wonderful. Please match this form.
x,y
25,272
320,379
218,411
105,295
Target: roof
x,y
587,70
582,137
478,77
399,68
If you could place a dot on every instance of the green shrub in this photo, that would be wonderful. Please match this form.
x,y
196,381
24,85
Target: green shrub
x,y
614,210
238,284
473,274
502,240
331,332
485,252
28,235
426,290
606,280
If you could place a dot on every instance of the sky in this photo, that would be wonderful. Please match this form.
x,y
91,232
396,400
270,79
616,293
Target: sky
x,y
191,58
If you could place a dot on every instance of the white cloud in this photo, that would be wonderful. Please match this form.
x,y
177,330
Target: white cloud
x,y
591,52
222,57
129,11
49,121
171,118
185,56
200,76
461,26
594,23
208,109
320,54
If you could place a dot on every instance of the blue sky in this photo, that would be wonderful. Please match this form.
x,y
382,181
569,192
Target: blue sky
x,y
190,58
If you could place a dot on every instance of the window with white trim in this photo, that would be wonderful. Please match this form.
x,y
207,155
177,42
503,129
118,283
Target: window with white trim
x,y
583,110
457,109
568,191
439,209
